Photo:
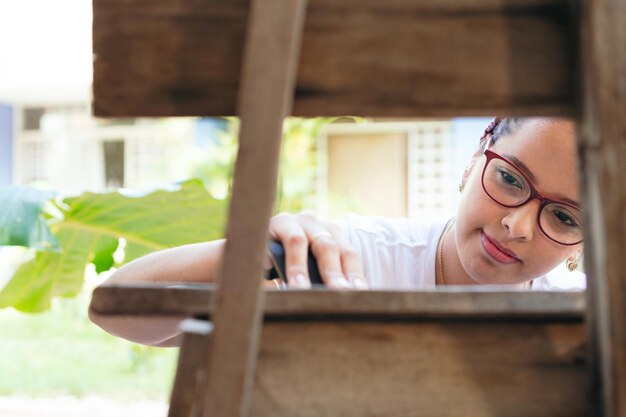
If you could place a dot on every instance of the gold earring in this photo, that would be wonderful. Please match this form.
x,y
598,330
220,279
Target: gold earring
x,y
571,264
461,186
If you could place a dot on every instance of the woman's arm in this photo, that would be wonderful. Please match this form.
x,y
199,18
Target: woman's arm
x,y
339,266
190,263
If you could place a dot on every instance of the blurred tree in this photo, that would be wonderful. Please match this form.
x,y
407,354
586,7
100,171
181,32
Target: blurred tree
x,y
297,169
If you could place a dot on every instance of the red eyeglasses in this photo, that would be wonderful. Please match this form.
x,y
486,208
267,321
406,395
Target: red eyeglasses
x,y
507,185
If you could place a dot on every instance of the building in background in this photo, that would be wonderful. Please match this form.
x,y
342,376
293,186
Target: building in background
x,y
56,143
395,169
6,145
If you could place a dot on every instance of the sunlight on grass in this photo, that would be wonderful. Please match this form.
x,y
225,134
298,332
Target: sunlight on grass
x,y
60,352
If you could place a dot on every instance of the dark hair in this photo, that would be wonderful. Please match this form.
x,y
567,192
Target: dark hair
x,y
506,126
497,128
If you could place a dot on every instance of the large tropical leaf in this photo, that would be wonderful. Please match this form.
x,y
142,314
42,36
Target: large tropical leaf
x,y
21,219
92,227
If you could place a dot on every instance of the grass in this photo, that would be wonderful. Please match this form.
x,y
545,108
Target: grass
x,y
60,352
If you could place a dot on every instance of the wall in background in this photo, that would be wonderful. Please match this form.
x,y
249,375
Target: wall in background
x,y
6,145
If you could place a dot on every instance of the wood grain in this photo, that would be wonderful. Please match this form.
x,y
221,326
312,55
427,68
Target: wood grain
x,y
421,369
384,353
186,399
397,58
603,166
265,98
197,299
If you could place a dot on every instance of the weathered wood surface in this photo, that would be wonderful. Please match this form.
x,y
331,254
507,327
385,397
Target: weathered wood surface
x,y
188,389
393,58
421,369
451,352
265,98
603,160
416,368
195,299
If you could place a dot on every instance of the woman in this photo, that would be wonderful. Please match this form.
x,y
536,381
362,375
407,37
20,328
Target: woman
x,y
518,218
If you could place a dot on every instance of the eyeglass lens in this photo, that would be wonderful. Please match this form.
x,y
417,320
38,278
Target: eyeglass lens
x,y
506,185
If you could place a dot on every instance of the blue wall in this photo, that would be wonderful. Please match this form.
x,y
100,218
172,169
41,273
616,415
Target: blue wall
x,y
466,133
6,145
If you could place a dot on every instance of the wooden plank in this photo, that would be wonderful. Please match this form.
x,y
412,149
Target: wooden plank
x,y
397,58
455,353
265,98
421,369
153,299
190,372
603,166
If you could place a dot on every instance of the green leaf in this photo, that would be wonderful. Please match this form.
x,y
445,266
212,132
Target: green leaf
x,y
50,273
21,219
103,257
155,221
90,231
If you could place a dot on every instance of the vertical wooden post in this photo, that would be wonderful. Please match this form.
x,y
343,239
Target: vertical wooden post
x,y
188,390
603,158
266,95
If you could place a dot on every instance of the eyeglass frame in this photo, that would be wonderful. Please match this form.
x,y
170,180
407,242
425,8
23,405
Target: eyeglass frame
x,y
534,194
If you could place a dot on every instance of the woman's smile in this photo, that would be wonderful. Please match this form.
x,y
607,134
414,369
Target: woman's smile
x,y
496,250
504,243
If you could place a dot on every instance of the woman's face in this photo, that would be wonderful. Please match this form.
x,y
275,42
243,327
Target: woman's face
x,y
547,148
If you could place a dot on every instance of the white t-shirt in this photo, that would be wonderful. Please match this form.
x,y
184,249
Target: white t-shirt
x,y
400,253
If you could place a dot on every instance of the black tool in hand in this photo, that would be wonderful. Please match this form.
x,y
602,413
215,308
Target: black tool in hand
x,y
277,257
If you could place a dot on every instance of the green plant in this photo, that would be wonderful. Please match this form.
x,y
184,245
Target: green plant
x,y
68,234
65,235
298,163
60,352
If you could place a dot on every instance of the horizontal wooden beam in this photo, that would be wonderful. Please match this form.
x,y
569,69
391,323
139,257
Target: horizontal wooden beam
x,y
413,368
397,58
199,299
421,369
487,352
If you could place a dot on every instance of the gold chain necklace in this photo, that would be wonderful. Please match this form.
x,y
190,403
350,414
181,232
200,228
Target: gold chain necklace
x,y
440,249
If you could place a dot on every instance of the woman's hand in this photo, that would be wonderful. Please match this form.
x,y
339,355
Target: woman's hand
x,y
339,264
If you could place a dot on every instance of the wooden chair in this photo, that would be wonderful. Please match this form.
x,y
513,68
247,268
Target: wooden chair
x,y
380,353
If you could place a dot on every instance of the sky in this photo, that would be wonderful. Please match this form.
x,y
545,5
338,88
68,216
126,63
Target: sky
x,y
45,46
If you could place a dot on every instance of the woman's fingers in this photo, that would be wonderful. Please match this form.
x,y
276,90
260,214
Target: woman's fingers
x,y
351,263
325,250
338,263
274,284
286,229
327,254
